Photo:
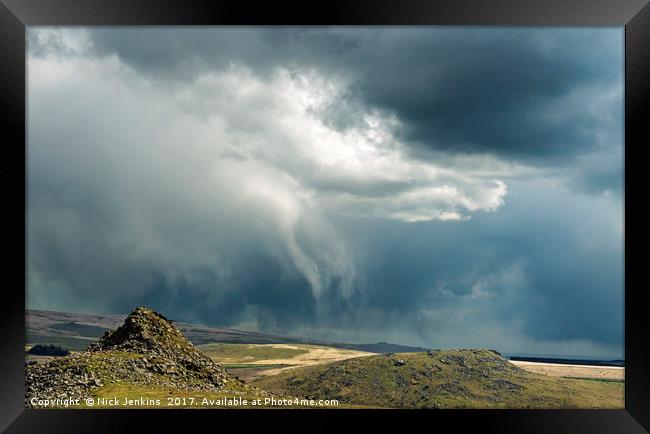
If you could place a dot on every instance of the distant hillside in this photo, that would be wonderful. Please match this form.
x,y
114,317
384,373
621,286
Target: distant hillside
x,y
589,362
381,348
77,331
440,379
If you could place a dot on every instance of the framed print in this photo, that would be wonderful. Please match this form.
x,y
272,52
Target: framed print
x,y
371,210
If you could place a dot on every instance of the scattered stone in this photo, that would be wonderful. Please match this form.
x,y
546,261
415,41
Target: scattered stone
x,y
507,385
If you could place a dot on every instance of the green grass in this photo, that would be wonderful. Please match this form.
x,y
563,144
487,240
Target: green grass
x,y
445,379
243,353
253,366
180,399
603,380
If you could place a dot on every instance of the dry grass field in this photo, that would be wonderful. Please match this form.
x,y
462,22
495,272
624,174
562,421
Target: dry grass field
x,y
250,361
573,371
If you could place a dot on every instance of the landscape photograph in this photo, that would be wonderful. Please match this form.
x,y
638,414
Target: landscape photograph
x,y
336,217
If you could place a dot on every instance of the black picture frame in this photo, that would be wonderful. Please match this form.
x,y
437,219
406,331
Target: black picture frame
x,y
15,15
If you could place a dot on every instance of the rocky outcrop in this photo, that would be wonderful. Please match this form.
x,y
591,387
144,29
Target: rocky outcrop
x,y
146,350
163,348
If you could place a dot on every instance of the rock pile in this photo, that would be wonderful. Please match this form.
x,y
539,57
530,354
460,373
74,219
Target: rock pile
x,y
164,349
146,350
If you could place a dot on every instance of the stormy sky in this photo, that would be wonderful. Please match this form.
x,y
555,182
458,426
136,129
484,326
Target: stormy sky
x,y
433,186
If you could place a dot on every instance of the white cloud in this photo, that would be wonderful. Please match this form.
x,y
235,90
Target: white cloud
x,y
232,140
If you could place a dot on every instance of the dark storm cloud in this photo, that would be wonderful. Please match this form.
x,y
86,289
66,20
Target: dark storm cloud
x,y
510,92
183,53
162,173
506,92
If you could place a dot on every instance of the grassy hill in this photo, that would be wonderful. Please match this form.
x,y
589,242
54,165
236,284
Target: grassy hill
x,y
441,379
